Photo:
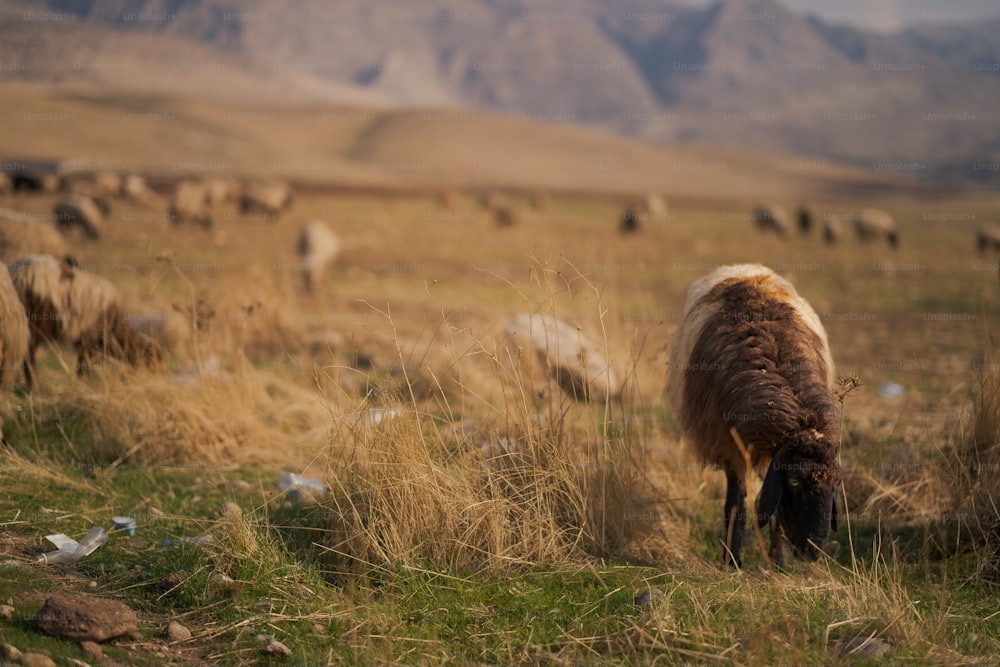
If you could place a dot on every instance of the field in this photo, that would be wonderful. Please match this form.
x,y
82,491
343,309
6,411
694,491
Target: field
x,y
473,518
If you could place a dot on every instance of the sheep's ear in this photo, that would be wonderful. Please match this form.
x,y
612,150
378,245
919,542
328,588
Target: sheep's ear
x,y
770,494
833,512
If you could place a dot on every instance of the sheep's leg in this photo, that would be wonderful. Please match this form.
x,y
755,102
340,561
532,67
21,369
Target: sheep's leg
x,y
736,493
776,552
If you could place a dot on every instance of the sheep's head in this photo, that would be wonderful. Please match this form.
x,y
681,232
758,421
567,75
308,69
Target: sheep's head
x,y
800,490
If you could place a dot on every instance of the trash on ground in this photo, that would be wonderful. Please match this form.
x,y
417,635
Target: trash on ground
x,y
290,480
69,550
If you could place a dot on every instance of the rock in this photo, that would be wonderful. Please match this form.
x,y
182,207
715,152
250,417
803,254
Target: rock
x,y
232,511
647,597
37,660
92,650
864,647
85,618
577,365
243,487
10,652
171,581
277,648
6,612
73,662
177,632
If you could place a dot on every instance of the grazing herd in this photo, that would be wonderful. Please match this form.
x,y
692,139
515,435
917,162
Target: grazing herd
x,y
750,379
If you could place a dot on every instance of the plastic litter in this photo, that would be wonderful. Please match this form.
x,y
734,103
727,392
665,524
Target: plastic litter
x,y
290,480
199,540
124,524
69,550
379,415
891,389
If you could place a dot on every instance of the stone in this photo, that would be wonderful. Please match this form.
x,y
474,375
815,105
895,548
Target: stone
x,y
647,597
10,652
37,660
85,618
277,648
92,650
864,647
177,632
232,511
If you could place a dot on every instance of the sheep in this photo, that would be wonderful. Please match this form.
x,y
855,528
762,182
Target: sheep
x,y
771,218
631,221
78,211
268,199
65,303
450,200
655,205
833,228
221,190
14,334
20,235
805,215
872,223
751,359
503,216
135,189
108,183
988,238
318,246
190,205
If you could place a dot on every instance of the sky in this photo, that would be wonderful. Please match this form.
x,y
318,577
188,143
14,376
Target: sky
x,y
890,15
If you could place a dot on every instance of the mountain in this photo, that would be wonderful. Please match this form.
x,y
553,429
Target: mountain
x,y
741,73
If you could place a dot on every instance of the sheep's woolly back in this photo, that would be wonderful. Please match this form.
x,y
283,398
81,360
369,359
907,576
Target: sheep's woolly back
x,y
14,332
873,221
79,299
20,237
318,244
751,354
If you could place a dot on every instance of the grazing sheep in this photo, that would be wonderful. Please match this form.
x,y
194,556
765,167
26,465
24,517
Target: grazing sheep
x,y
751,357
631,221
771,218
833,228
450,200
267,199
221,190
135,189
318,247
67,304
108,183
14,333
566,355
492,199
190,205
31,180
988,238
21,235
87,189
805,215
655,206
503,216
871,224
77,211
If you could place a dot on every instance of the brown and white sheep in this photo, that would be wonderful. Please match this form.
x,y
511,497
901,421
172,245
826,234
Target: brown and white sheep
x,y
771,218
833,228
77,211
14,334
267,199
190,204
988,238
871,224
318,247
67,304
21,235
751,357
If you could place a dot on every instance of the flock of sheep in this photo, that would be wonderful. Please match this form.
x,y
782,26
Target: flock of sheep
x,y
869,224
750,380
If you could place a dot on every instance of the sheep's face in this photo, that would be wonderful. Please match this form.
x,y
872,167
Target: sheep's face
x,y
800,491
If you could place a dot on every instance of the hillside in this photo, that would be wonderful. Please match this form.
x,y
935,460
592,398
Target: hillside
x,y
741,73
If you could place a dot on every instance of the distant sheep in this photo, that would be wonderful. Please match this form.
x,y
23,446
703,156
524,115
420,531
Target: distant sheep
x,y
751,357
805,216
450,200
80,212
221,190
67,304
631,221
135,189
833,228
504,216
872,224
14,334
771,218
318,247
655,206
267,199
189,205
21,235
988,238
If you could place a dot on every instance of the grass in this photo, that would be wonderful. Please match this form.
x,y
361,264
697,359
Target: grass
x,y
475,515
